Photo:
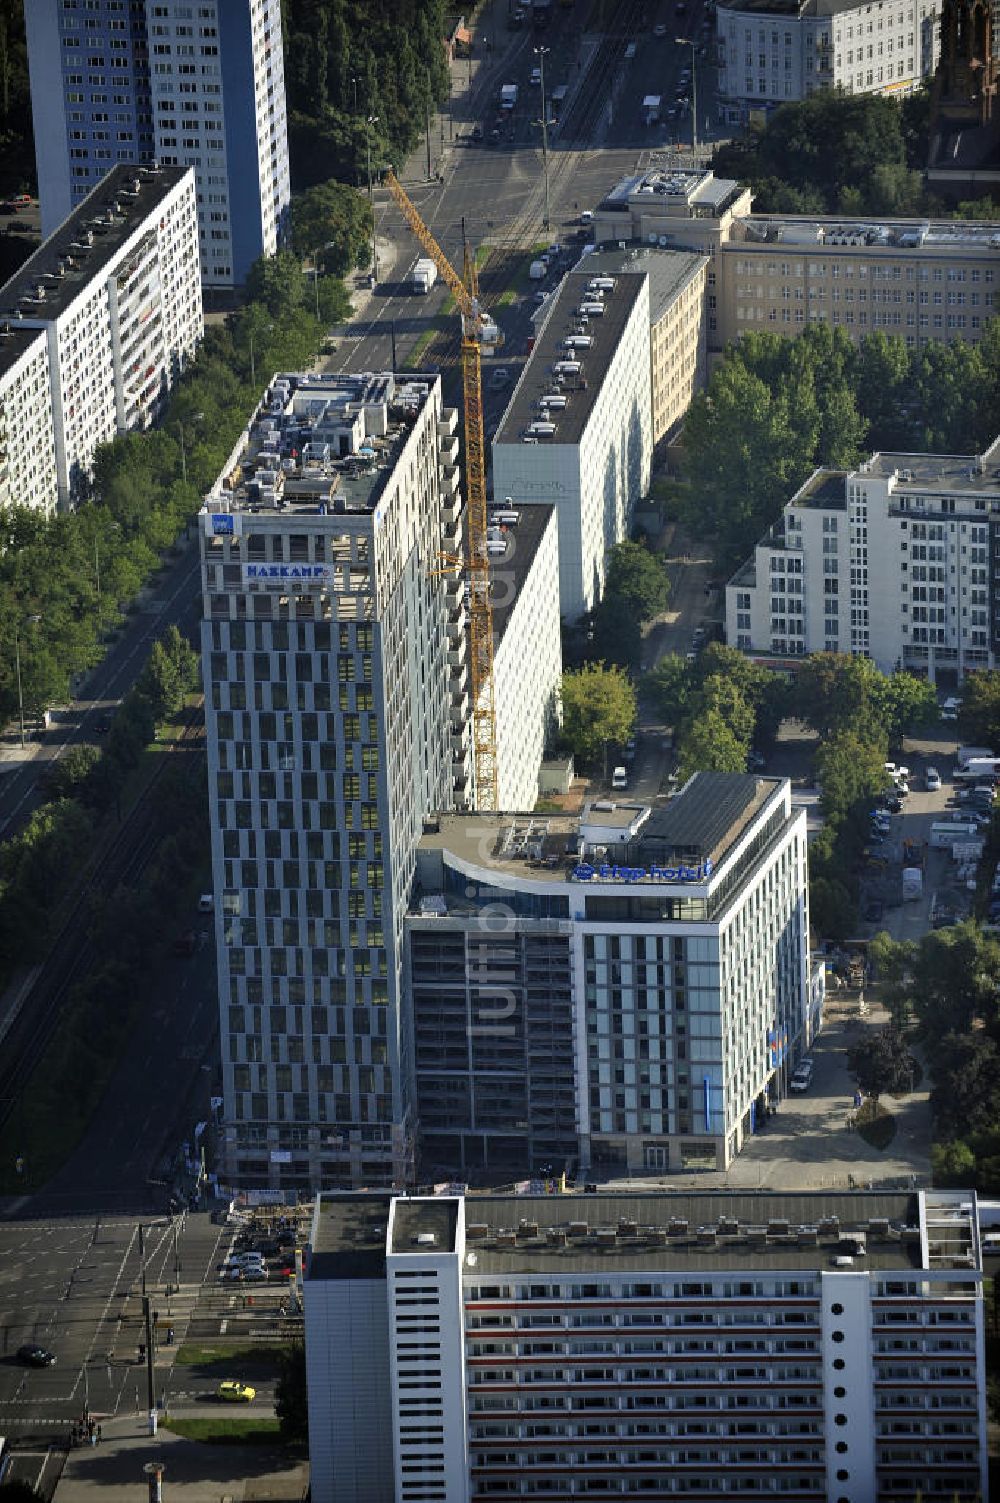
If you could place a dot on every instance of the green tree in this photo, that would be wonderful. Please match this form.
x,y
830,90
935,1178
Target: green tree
x,y
616,635
882,1062
850,772
66,777
638,578
909,703
709,745
979,716
965,1100
953,1164
335,221
599,708
670,685
291,1396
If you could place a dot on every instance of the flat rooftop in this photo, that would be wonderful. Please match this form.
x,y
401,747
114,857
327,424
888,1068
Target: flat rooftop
x,y
322,444
15,341
669,271
349,1236
512,567
577,390
797,231
710,1231
86,242
974,473
825,490
693,192
706,818
424,1226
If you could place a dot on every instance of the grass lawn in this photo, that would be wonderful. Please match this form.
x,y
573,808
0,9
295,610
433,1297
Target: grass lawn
x,y
422,345
238,1355
228,1429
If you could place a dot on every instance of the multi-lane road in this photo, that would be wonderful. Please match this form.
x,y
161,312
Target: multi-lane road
x,y
73,1286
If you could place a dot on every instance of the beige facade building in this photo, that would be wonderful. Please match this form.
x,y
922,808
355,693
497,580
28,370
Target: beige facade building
x,y
923,280
678,347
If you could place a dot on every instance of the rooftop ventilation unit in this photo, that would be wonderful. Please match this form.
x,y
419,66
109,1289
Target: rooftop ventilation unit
x,y
878,1226
577,1229
476,1231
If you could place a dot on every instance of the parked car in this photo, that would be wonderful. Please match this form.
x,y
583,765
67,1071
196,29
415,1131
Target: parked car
x,y
872,911
619,779
950,708
932,780
802,1078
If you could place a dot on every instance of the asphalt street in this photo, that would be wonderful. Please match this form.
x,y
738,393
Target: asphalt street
x,y
72,1285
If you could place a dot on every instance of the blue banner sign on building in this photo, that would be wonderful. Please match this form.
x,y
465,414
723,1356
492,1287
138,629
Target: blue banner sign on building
x,y
222,524
587,873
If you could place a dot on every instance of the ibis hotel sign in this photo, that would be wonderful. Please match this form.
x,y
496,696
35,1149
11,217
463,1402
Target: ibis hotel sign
x,y
587,873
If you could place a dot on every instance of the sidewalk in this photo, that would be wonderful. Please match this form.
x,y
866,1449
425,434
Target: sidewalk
x,y
193,1472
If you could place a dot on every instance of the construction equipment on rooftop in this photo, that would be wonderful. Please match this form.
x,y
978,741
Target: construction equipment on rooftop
x,y
478,329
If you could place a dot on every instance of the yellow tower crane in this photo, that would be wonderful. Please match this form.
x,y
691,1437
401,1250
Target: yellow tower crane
x,y
477,329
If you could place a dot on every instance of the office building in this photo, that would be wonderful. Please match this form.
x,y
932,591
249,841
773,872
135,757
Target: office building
x,y
577,432
115,299
198,85
652,967
925,280
527,654
678,311
891,561
337,717
694,1345
782,50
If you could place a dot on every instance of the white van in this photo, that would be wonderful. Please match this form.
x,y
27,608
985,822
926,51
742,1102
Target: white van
x,y
619,779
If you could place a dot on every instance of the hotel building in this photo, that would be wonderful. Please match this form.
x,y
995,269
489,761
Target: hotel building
x,y
623,989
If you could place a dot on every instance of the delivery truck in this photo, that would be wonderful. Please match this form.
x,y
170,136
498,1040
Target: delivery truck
x,y
508,96
424,275
967,754
913,884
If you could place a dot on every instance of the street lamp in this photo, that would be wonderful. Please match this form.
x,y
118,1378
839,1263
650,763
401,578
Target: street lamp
x,y
372,120
196,417
17,664
541,53
687,42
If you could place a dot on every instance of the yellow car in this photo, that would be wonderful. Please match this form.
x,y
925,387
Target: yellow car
x,y
236,1393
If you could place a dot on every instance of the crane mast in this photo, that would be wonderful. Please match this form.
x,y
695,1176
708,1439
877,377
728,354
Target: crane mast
x,y
477,329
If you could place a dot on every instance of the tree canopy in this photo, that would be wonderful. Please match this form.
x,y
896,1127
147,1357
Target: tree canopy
x,y
948,982
835,153
348,63
598,708
334,222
